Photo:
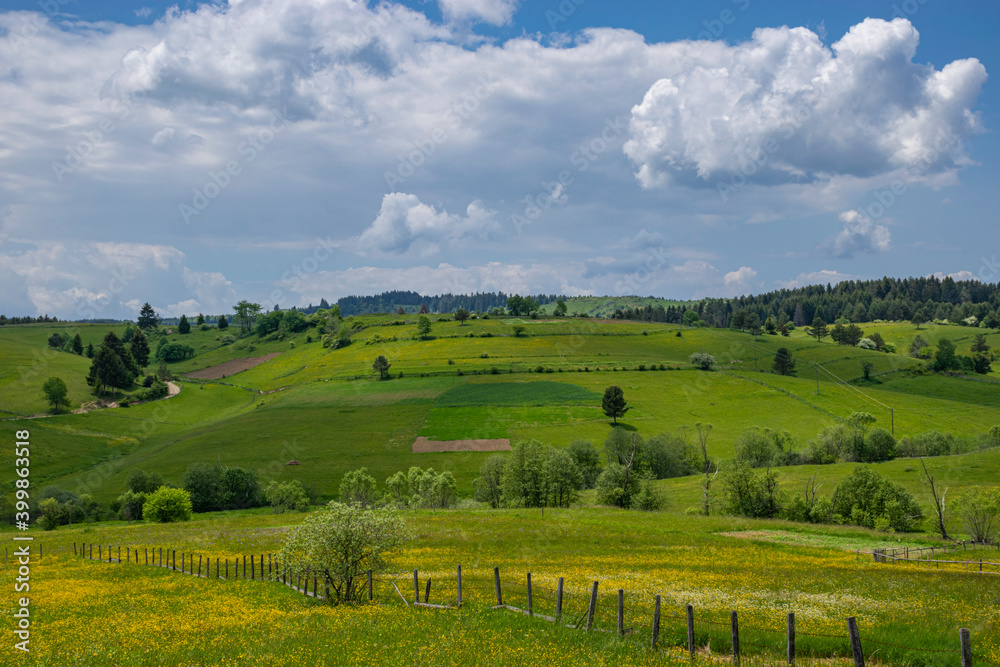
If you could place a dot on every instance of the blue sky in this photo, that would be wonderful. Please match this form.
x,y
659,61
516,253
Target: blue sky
x,y
286,151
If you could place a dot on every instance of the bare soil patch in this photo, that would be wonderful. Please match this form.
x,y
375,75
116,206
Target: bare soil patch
x,y
422,445
230,367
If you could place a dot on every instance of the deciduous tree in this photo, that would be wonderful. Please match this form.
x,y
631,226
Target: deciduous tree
x,y
613,403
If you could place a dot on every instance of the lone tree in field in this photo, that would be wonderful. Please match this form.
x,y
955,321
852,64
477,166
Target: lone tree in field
x,y
613,403
784,363
340,544
381,366
223,322
55,393
246,314
183,326
461,315
518,330
819,329
200,320
148,318
423,326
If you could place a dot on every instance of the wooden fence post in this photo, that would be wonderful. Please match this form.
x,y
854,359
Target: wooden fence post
x,y
559,599
459,576
269,568
592,608
119,554
5,552
690,624
963,635
182,562
128,554
252,573
199,566
852,630
496,582
531,607
427,593
145,551
621,612
99,557
791,638
175,558
370,596
736,637
656,622
244,567
416,587
227,568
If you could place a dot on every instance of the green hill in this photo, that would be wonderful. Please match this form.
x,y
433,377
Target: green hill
x,y
325,409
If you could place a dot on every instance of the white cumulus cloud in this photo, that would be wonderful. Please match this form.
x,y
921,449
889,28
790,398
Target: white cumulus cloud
x,y
859,234
496,12
407,226
784,108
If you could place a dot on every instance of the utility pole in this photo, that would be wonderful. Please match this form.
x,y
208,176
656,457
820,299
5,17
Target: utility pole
x,y
816,367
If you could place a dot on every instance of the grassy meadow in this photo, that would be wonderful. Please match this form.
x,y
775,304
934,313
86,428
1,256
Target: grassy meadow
x,y
325,409
762,569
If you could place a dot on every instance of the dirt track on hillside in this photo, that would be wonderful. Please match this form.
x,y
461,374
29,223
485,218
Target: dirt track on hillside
x,y
230,367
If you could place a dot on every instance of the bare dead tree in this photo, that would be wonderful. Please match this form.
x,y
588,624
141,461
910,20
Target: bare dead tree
x,y
939,506
628,466
703,431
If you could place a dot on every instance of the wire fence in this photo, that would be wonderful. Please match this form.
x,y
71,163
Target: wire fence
x,y
630,615
912,555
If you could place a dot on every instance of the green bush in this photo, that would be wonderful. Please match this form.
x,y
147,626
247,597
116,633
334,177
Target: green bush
x,y
880,445
866,496
612,488
286,496
166,505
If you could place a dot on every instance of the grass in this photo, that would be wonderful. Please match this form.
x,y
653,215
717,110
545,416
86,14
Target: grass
x,y
329,412
164,617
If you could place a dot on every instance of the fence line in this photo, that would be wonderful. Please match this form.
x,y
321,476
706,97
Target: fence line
x,y
617,612
903,555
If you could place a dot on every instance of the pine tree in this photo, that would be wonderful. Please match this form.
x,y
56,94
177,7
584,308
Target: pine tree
x,y
223,322
77,345
148,318
139,347
200,320
819,329
183,326
783,363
